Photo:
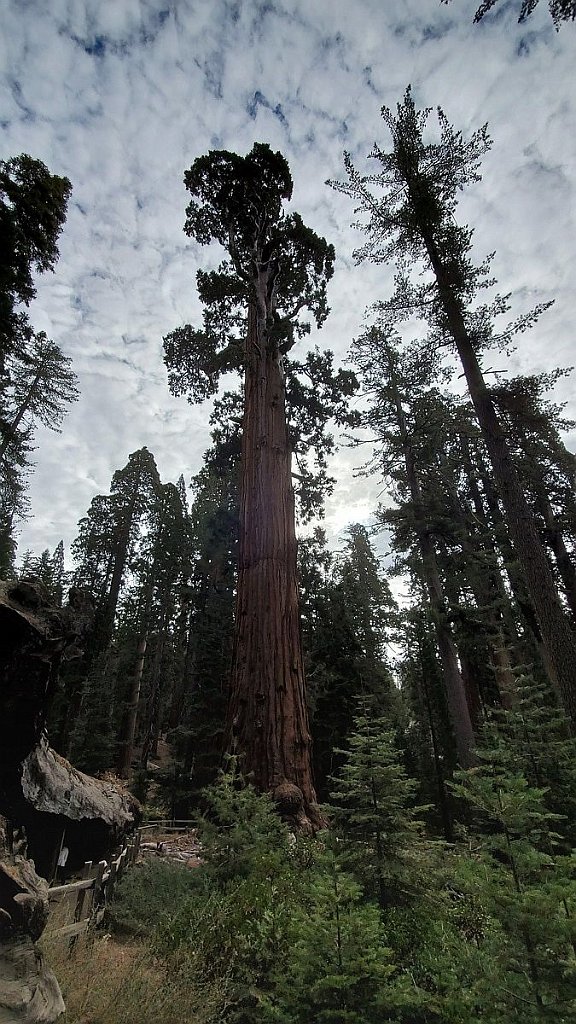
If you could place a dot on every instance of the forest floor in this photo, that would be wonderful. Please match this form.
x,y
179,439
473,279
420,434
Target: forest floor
x,y
115,981
180,847
119,979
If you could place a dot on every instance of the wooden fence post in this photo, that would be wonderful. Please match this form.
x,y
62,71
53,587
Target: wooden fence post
x,y
100,882
111,882
80,905
97,892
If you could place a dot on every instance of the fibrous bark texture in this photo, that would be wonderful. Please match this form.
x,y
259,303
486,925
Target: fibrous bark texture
x,y
268,720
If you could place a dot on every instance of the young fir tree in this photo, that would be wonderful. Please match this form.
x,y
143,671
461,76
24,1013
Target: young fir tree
x,y
337,965
414,220
370,807
275,268
524,884
346,628
536,735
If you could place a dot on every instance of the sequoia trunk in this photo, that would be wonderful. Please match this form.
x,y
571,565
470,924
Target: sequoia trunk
x,y
267,722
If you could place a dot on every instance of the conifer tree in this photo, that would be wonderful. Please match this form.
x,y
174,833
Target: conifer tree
x,y
337,966
533,424
14,504
414,219
525,884
390,379
275,268
103,550
32,211
427,735
346,627
160,571
370,805
42,384
49,570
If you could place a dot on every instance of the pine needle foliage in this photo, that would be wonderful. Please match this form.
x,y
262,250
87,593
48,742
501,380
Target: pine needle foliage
x,y
372,807
527,887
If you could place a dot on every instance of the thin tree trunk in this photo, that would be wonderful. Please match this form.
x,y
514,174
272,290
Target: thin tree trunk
x,y
453,683
267,721
12,428
510,560
557,636
184,680
555,540
495,581
518,585
150,741
126,745
447,823
488,596
118,569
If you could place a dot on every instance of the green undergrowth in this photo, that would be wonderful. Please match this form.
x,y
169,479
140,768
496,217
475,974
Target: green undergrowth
x,y
149,894
370,922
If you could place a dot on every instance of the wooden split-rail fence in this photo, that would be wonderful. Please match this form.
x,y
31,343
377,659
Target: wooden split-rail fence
x,y
93,892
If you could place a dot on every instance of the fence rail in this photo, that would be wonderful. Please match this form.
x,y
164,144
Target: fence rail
x,y
169,824
94,891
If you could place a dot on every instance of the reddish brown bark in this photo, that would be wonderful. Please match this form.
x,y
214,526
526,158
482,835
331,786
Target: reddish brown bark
x,y
267,722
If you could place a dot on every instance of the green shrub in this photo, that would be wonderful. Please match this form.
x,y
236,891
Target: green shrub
x,y
150,894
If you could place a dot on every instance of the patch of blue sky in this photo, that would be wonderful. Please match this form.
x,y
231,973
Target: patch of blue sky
x,y
212,67
259,100
27,114
526,42
100,44
367,76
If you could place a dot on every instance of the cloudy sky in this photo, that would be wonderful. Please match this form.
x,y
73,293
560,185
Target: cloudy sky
x,y
122,95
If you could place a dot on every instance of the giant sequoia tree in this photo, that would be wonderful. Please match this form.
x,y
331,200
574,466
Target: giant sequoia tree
x,y
275,268
413,222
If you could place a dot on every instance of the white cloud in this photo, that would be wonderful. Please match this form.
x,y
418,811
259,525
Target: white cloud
x,y
122,97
